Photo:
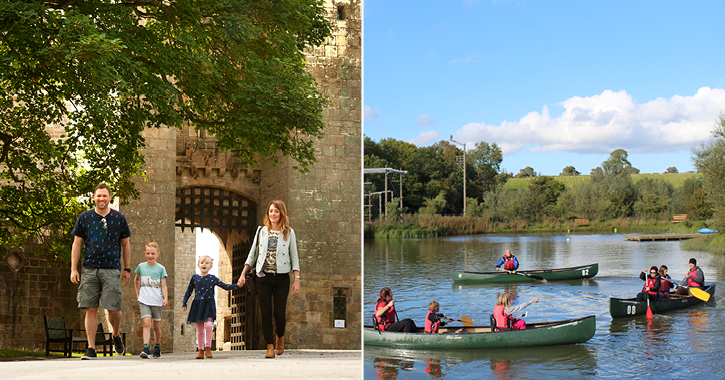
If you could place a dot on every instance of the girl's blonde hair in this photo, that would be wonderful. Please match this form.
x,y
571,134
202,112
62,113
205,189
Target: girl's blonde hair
x,y
505,300
283,219
205,258
434,306
153,244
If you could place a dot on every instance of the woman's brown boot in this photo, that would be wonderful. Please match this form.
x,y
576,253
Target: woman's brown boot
x,y
270,351
208,352
280,345
200,354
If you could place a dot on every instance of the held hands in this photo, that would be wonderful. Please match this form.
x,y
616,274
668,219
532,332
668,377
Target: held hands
x,y
242,280
183,308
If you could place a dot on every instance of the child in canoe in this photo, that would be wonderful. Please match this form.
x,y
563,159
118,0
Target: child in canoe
x,y
503,312
435,319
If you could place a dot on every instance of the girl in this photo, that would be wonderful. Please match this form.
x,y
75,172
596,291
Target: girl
x,y
274,256
203,309
503,312
434,318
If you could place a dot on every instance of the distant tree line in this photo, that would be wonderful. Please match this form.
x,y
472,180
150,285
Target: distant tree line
x,y
434,185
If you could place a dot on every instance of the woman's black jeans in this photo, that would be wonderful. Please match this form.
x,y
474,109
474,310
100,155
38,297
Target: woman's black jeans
x,y
273,289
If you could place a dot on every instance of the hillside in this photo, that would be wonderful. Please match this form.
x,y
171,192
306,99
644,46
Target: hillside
x,y
573,182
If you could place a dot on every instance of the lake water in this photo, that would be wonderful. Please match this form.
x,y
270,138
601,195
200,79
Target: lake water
x,y
673,345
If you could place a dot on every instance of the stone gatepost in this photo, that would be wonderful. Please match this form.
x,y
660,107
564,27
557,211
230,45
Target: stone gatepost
x,y
151,218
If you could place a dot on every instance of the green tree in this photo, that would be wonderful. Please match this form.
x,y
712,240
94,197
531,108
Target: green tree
x,y
526,172
542,196
671,170
691,199
654,199
486,160
617,164
709,160
434,205
102,71
569,170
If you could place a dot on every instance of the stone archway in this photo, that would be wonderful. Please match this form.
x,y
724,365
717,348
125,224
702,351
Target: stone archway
x,y
232,218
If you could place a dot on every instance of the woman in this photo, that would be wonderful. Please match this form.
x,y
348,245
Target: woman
x,y
503,313
652,285
274,255
385,314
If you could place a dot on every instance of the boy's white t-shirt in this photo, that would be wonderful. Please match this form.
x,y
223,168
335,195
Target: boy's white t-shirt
x,y
149,292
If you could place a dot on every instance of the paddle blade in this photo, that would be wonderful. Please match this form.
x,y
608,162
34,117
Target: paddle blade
x,y
466,321
649,310
700,294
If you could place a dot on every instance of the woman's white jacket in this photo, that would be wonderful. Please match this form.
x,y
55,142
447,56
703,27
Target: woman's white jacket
x,y
287,257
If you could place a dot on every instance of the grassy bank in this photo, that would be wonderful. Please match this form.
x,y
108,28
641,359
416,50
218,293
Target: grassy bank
x,y
423,226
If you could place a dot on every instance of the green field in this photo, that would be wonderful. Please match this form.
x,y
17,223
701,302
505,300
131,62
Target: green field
x,y
573,182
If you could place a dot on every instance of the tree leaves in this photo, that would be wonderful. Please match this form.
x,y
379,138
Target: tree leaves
x,y
79,82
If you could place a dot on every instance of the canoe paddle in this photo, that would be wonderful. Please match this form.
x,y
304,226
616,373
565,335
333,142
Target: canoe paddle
x,y
526,275
649,311
696,292
465,320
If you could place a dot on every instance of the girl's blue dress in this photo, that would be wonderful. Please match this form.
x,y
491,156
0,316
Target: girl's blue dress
x,y
204,304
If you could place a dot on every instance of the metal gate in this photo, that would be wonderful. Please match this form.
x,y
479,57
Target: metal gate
x,y
224,211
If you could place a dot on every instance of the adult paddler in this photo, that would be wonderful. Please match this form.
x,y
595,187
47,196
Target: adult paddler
x,y
508,261
695,279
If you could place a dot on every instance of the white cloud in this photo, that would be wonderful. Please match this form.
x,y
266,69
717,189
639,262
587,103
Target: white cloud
x,y
425,121
370,113
424,138
608,121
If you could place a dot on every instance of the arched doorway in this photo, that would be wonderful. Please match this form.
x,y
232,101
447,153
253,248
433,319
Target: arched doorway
x,y
232,218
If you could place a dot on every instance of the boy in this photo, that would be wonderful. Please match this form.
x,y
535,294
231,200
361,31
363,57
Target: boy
x,y
152,295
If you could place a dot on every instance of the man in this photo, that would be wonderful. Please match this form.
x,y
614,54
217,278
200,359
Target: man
x,y
105,233
509,262
695,279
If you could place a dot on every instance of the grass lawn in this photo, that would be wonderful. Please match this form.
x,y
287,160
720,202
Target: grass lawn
x,y
8,353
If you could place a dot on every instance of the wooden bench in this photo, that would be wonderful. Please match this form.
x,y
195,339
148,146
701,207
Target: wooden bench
x,y
581,222
679,218
56,331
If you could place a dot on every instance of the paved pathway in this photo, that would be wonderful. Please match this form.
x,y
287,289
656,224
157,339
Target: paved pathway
x,y
293,364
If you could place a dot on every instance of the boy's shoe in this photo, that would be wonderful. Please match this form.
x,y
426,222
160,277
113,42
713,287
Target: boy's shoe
x,y
157,351
90,354
145,353
118,345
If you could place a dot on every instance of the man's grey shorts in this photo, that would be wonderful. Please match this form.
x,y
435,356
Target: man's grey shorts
x,y
153,312
102,284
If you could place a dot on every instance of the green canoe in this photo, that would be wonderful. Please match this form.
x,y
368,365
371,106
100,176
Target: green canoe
x,y
573,273
569,331
630,307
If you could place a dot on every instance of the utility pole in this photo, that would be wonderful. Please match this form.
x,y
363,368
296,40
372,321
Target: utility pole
x,y
464,172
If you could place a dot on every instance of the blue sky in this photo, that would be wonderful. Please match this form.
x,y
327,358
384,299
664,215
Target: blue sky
x,y
553,83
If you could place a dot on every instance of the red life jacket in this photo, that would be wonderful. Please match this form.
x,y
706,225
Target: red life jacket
x,y
502,319
431,327
509,263
389,316
650,283
665,287
690,281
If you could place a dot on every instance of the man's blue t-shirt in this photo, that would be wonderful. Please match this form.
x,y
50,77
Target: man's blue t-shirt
x,y
102,237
